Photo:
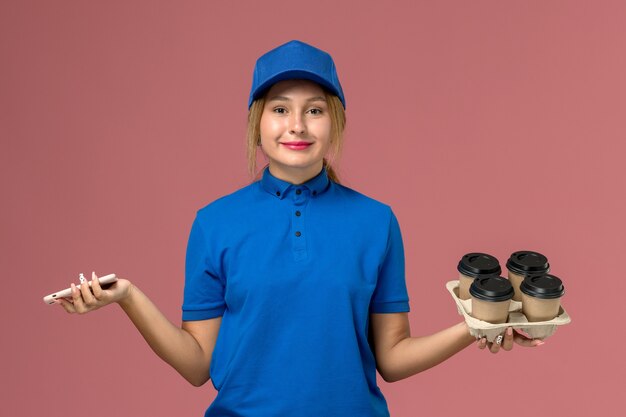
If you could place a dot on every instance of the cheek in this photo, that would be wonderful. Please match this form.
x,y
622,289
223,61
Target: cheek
x,y
325,131
269,127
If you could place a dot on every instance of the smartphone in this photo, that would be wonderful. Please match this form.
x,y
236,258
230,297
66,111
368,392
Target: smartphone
x,y
67,293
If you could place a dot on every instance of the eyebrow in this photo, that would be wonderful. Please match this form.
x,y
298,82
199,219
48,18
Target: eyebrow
x,y
283,98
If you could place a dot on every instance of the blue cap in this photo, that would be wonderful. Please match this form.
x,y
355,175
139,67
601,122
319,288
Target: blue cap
x,y
295,60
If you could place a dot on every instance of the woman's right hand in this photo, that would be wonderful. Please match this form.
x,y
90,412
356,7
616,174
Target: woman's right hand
x,y
85,298
188,348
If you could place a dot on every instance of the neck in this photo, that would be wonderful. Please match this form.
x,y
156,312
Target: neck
x,y
295,176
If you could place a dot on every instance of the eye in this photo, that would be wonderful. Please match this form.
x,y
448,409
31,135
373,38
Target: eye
x,y
279,110
316,112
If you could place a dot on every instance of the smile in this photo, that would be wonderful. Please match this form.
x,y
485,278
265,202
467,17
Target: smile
x,y
297,146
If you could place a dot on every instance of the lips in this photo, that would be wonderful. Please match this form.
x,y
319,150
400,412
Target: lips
x,y
297,145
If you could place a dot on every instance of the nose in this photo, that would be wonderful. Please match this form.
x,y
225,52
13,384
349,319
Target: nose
x,y
297,125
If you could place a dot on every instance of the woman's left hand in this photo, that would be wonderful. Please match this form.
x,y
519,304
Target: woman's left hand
x,y
508,339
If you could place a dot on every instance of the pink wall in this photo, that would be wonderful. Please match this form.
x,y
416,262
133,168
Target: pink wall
x,y
487,125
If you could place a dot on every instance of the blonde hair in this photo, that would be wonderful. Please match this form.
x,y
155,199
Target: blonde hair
x,y
337,121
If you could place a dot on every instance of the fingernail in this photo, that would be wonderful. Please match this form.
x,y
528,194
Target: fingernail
x,y
509,331
539,343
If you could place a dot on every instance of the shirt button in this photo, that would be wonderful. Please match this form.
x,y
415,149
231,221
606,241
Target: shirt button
x,y
278,193
298,191
298,234
298,213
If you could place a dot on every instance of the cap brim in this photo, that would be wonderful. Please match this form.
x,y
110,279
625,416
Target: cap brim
x,y
293,74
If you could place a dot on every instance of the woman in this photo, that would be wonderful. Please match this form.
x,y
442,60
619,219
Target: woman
x,y
302,278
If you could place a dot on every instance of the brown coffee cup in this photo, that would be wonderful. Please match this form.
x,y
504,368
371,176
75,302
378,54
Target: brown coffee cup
x,y
475,265
522,264
541,297
491,298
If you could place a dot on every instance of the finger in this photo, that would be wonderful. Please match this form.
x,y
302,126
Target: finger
x,y
494,347
66,305
526,342
507,342
77,299
482,343
96,289
523,333
88,297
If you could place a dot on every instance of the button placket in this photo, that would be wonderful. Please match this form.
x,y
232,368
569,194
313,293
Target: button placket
x,y
298,237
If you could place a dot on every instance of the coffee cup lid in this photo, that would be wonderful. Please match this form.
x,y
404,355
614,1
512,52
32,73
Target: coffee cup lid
x,y
479,264
528,263
543,286
492,288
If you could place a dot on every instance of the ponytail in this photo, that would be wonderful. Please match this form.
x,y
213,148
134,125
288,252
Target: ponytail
x,y
330,171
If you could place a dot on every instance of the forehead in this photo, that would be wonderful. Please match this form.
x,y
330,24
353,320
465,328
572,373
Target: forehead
x,y
295,87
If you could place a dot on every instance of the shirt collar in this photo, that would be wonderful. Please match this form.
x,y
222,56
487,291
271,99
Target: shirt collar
x,y
278,187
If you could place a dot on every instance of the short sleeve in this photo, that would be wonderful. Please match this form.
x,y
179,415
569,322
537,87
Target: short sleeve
x,y
204,288
390,295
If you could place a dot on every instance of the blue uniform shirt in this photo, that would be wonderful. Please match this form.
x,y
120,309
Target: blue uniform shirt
x,y
295,271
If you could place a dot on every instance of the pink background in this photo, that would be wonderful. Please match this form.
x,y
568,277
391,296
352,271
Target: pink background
x,y
488,126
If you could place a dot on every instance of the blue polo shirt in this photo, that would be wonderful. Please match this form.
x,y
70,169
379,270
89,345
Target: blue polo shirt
x,y
294,271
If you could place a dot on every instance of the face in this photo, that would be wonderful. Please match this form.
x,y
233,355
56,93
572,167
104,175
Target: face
x,y
295,130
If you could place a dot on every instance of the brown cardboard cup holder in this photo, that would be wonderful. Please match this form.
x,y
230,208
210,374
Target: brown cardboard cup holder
x,y
516,320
